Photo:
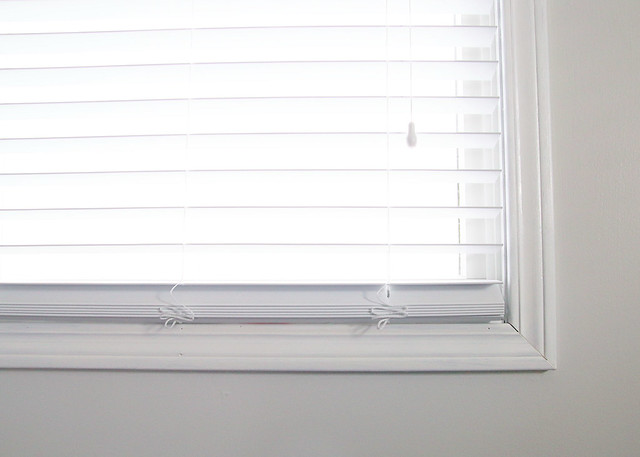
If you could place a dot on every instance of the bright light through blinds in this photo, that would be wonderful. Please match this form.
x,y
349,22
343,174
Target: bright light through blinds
x,y
250,142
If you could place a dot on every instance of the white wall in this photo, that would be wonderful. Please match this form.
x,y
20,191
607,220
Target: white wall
x,y
590,406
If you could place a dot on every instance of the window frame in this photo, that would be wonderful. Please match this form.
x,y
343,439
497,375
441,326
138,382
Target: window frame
x,y
526,341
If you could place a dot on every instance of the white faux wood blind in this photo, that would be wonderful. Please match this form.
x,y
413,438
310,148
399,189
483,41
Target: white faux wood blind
x,y
250,142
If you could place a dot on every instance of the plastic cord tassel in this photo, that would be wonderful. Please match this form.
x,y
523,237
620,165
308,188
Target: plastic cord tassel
x,y
412,139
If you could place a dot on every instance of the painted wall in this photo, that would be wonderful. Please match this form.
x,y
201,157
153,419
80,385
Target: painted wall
x,y
590,406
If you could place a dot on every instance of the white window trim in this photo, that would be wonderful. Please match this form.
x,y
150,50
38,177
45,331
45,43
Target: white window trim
x,y
526,342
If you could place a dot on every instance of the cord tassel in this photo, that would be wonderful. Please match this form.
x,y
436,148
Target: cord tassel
x,y
412,139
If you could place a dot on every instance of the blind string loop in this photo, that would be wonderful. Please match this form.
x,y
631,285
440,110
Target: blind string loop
x,y
385,311
175,313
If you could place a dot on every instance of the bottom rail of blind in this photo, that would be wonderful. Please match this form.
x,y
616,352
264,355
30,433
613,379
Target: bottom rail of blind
x,y
446,303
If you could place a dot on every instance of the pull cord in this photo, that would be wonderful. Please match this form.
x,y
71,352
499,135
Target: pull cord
x,y
174,313
412,138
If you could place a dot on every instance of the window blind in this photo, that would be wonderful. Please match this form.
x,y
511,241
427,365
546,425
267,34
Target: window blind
x,y
254,144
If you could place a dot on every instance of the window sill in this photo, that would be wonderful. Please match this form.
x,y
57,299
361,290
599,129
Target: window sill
x,y
311,348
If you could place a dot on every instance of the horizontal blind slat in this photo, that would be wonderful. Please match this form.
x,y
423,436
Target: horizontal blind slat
x,y
237,116
430,104
78,15
239,264
236,151
336,79
247,188
259,44
236,225
455,292
249,151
